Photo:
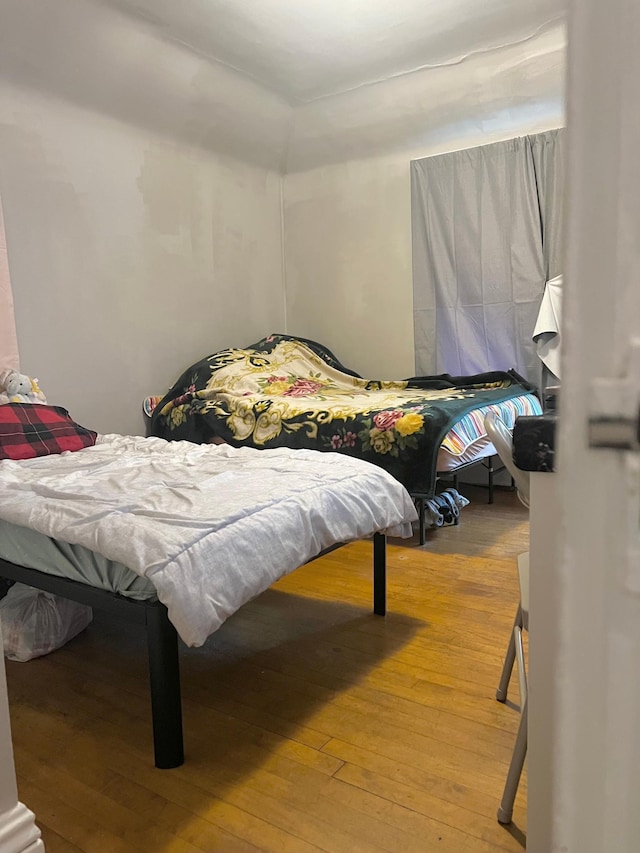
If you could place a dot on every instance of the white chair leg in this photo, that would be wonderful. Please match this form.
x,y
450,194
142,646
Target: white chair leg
x,y
522,674
505,812
503,686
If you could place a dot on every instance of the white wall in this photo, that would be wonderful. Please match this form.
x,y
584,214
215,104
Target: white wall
x,y
131,256
347,192
348,263
142,201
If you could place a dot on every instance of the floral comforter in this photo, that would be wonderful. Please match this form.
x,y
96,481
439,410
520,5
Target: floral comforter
x,y
292,392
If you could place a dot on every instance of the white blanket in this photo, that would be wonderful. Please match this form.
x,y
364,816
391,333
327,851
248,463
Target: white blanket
x,y
211,526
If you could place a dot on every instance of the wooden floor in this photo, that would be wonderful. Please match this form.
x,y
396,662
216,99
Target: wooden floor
x,y
310,724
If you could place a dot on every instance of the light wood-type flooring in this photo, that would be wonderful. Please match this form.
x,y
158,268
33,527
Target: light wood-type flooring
x,y
310,723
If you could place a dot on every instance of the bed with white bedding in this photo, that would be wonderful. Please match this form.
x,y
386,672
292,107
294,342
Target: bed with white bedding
x,y
209,527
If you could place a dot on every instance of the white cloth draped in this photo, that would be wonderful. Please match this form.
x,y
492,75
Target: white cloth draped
x,y
546,332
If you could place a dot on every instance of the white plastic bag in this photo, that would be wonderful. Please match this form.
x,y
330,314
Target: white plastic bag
x,y
35,623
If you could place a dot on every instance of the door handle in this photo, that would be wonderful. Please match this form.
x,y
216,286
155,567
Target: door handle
x,y
614,421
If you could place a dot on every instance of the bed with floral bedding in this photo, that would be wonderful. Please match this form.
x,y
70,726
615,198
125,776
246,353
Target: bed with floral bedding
x,y
292,392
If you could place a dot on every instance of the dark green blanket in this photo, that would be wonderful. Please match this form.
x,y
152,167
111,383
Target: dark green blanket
x,y
292,392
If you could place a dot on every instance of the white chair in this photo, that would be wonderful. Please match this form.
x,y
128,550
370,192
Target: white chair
x,y
501,438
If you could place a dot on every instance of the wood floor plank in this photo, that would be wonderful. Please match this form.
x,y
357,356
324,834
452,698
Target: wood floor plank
x,y
73,824
186,805
422,828
314,673
384,707
54,843
426,803
460,791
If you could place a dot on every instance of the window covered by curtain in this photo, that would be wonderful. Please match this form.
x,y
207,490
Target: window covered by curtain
x,y
8,341
486,237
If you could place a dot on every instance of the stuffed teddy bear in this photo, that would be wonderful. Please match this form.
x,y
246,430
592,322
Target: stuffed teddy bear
x,y
16,387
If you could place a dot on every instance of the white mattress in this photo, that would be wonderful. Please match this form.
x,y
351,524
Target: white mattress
x,y
467,440
210,526
26,547
474,452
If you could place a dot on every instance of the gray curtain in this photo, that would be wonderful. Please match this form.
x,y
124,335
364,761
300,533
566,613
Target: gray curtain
x,y
547,152
485,229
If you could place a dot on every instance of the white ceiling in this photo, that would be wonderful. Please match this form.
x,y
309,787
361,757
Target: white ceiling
x,y
448,73
309,49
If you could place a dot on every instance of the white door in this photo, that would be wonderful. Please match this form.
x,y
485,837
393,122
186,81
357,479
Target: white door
x,y
592,683
18,832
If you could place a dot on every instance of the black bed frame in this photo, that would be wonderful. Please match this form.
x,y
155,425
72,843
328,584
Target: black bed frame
x,y
162,641
420,499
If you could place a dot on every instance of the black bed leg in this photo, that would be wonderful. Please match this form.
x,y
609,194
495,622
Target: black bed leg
x,y
164,674
379,574
422,521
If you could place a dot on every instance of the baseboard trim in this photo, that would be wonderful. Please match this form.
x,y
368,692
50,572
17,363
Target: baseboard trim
x,y
18,831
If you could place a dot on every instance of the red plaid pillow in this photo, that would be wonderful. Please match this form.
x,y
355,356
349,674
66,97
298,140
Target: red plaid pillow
x,y
28,430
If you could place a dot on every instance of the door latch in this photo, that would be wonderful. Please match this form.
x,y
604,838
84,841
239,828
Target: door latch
x,y
615,433
614,421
